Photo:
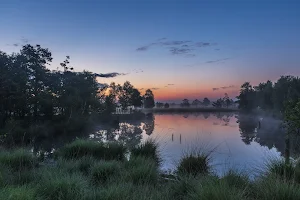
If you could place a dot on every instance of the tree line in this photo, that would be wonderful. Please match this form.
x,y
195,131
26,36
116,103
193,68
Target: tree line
x,y
28,89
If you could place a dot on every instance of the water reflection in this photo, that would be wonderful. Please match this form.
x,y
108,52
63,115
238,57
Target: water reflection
x,y
241,141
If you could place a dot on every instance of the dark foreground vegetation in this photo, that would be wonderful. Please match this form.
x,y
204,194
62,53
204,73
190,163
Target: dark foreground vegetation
x,y
89,170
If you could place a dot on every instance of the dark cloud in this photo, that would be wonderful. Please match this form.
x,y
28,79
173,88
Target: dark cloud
x,y
141,89
217,49
171,84
224,87
176,50
215,61
177,47
190,55
174,42
143,48
24,40
109,75
154,88
227,87
16,44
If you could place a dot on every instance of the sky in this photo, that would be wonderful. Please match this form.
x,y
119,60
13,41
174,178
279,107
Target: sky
x,y
177,48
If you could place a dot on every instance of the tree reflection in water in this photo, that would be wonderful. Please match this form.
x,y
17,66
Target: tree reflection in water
x,y
129,132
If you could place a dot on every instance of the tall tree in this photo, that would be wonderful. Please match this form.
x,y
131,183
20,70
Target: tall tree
x,y
206,101
149,99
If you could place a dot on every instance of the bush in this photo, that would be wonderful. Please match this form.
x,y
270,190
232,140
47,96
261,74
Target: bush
x,y
18,159
62,186
141,171
17,193
148,149
82,148
194,163
181,187
102,171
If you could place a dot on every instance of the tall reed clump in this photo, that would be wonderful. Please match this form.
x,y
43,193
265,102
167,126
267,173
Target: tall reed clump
x,y
194,162
17,160
147,149
86,148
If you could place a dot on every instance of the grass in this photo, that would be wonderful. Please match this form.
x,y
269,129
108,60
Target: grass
x,y
86,148
148,149
17,193
103,171
61,186
80,173
194,163
140,170
17,160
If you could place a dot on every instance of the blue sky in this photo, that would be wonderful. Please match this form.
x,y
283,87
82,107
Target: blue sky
x,y
181,48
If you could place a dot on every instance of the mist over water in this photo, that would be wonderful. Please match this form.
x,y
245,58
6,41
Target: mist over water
x,y
235,141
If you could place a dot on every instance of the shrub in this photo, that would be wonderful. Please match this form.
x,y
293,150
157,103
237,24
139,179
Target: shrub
x,y
18,159
236,179
102,171
148,149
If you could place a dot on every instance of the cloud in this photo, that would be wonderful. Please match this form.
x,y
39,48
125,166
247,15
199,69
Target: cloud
x,y
143,48
215,61
24,40
176,50
217,49
141,89
109,75
224,87
177,47
154,88
171,84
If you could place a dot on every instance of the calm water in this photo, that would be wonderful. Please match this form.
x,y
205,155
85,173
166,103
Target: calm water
x,y
236,141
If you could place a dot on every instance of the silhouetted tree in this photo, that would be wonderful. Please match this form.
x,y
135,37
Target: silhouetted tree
x,y
149,99
206,101
185,103
166,105
196,102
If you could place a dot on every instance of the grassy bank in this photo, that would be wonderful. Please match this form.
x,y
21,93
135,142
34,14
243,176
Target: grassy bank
x,y
88,170
190,109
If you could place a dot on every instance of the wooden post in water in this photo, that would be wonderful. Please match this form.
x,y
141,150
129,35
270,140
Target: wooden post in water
x,y
172,137
180,138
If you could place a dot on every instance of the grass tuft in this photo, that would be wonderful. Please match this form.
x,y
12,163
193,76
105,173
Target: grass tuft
x,y
140,170
85,148
17,160
62,186
17,193
148,149
82,165
102,171
194,163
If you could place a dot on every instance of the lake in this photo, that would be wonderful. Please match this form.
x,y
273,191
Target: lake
x,y
236,141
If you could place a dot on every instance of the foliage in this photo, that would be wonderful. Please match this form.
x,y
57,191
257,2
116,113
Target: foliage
x,y
19,159
102,171
166,105
185,103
